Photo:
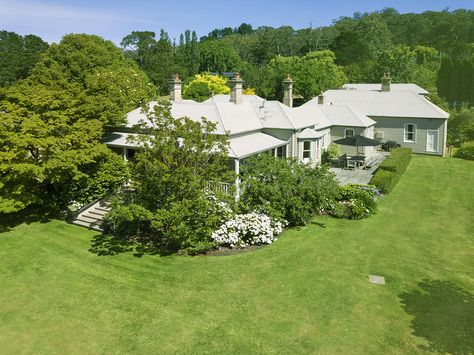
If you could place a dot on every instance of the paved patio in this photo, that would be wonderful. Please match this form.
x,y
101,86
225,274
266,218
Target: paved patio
x,y
359,176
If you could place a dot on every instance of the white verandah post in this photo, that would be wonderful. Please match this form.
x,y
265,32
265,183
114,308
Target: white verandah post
x,y
237,179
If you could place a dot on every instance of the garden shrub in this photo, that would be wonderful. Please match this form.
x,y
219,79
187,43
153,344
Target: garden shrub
x,y
355,202
285,189
332,152
248,229
186,225
127,221
391,169
466,151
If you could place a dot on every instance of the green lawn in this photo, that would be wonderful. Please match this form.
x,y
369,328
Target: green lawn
x,y
307,293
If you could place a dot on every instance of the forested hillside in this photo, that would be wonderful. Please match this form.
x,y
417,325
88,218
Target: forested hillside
x,y
432,49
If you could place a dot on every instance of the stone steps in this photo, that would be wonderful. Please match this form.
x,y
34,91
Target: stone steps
x,y
92,217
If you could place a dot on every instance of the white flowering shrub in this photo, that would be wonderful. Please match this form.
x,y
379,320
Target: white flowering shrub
x,y
219,207
248,229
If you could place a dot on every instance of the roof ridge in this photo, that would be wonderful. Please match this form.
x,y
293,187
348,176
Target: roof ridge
x,y
355,113
284,113
221,121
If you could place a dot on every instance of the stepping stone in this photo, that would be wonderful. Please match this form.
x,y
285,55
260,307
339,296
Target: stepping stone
x,y
378,280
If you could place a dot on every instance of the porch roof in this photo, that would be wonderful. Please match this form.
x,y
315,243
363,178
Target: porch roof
x,y
119,139
250,144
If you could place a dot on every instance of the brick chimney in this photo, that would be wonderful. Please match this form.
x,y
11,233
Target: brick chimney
x,y
236,89
321,99
175,88
288,91
386,81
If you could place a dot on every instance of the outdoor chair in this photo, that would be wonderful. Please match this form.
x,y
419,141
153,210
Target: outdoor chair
x,y
351,164
370,163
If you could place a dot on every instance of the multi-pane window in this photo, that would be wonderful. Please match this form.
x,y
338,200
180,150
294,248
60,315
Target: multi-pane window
x,y
280,152
349,132
306,149
409,133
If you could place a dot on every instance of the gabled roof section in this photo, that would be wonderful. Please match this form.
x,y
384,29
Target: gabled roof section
x,y
393,87
237,118
309,133
346,116
384,104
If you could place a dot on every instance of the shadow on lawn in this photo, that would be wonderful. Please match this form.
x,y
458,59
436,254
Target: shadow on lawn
x,y
11,220
102,245
443,314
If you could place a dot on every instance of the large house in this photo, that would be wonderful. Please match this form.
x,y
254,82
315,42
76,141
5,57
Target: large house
x,y
397,112
256,125
402,111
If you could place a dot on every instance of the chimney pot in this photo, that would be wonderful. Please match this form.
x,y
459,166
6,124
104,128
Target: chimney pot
x,y
175,88
288,91
236,89
386,81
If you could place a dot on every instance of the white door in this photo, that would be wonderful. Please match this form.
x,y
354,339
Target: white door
x,y
431,141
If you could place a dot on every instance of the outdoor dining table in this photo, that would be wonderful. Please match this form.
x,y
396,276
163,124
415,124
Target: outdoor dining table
x,y
359,160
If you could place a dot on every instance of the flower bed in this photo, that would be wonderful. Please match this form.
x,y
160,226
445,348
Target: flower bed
x,y
248,229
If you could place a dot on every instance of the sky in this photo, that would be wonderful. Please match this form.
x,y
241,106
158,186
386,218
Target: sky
x,y
114,19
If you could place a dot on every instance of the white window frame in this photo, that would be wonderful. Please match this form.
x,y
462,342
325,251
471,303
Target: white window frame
x,y
349,129
303,150
405,133
285,147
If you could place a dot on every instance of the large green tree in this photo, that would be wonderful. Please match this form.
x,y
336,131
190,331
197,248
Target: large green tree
x,y
178,159
157,57
313,73
52,122
217,56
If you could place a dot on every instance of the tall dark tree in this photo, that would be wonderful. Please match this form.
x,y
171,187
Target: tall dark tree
x,y
18,56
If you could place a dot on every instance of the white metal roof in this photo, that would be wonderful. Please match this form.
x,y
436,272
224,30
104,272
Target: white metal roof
x,y
384,104
249,144
309,133
119,139
237,118
346,116
255,113
393,87
227,116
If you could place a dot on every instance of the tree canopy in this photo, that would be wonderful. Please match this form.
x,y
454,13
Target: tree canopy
x,y
313,73
204,85
52,122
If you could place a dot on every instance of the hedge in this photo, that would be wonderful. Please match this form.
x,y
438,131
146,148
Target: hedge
x,y
466,151
391,169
